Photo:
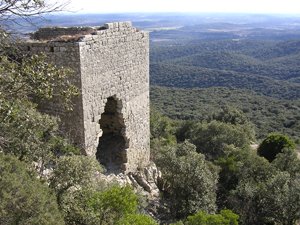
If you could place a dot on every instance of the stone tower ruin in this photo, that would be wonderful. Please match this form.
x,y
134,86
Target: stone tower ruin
x,y
110,120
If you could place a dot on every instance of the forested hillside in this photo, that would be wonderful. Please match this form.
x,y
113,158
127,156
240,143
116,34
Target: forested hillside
x,y
267,113
271,70
181,76
224,86
253,67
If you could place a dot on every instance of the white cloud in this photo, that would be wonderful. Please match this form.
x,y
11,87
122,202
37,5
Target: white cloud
x,y
251,6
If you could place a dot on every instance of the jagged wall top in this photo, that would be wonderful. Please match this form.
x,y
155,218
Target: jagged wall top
x,y
78,33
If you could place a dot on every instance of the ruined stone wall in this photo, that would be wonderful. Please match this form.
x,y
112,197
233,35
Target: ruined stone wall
x,y
115,62
109,62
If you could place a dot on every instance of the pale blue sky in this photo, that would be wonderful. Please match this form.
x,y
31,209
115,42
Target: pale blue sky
x,y
243,6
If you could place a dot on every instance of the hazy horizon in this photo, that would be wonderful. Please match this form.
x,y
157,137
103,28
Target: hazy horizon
x,y
290,7
174,12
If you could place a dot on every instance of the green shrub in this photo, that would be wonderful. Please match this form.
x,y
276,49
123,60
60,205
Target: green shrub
x,y
108,206
190,180
274,144
136,219
23,198
226,217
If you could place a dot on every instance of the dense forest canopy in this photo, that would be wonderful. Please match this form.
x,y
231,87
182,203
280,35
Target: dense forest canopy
x,y
269,114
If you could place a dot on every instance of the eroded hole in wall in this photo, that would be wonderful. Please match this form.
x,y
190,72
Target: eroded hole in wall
x,y
111,151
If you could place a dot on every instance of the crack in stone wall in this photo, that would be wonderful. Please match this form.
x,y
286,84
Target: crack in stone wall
x,y
111,151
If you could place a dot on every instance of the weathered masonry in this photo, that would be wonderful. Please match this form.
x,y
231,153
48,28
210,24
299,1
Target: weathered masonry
x,y
110,119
